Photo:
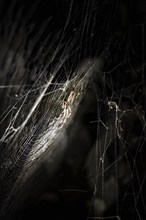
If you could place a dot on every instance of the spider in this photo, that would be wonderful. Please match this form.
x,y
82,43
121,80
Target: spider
x,y
67,105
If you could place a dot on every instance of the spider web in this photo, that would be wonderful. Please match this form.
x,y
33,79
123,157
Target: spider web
x,y
72,115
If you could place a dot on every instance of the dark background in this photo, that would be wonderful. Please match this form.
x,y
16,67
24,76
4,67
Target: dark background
x,y
115,26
